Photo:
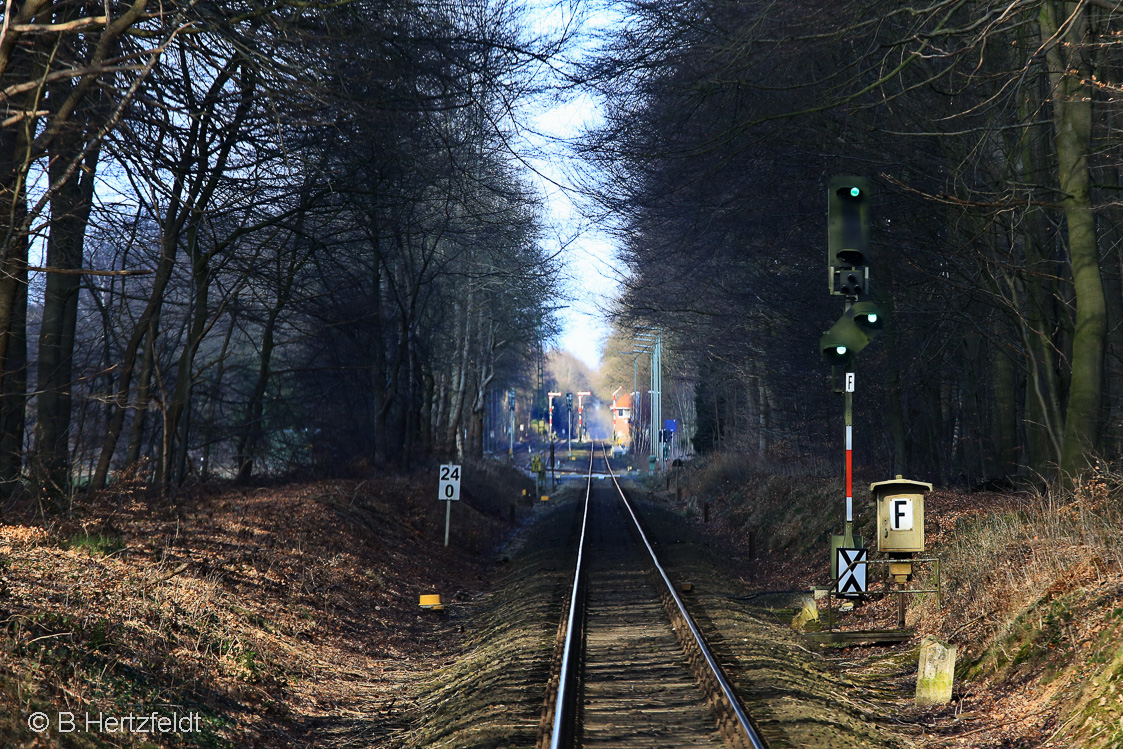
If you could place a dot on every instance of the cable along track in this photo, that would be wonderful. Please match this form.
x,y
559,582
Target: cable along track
x,y
632,668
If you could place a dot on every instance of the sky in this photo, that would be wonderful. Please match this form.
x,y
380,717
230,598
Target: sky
x,y
589,263
589,259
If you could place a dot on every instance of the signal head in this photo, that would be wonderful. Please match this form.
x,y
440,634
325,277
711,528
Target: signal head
x,y
842,342
848,235
869,317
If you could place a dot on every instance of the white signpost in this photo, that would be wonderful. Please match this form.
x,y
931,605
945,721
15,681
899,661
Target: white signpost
x,y
448,490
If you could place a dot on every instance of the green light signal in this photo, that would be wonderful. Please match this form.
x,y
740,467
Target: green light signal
x,y
855,192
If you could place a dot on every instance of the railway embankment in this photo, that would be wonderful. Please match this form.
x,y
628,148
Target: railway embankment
x,y
271,616
491,694
1032,596
287,615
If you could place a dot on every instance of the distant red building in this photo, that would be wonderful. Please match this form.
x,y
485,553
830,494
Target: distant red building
x,y
622,418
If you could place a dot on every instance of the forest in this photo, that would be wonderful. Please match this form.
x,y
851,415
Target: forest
x,y
241,239
246,238
990,133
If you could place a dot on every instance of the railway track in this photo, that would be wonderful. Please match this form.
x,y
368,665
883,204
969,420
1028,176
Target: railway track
x,y
632,669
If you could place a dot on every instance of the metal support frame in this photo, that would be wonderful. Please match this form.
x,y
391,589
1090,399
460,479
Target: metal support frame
x,y
634,421
938,590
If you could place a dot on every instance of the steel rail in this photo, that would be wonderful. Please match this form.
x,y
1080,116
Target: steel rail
x,y
730,697
565,702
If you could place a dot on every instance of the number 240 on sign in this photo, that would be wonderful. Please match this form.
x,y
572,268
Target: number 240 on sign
x,y
449,485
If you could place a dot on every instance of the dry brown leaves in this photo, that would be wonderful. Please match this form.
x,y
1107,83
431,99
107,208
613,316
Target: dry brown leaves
x,y
271,609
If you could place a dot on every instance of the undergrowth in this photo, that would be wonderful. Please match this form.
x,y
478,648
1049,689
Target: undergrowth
x,y
1032,583
1035,595
1006,568
269,612
785,513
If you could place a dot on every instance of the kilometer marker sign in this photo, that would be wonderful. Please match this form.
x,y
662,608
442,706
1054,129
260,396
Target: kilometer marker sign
x,y
449,485
448,490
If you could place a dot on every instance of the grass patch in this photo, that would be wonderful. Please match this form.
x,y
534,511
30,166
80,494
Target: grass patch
x,y
99,543
1032,594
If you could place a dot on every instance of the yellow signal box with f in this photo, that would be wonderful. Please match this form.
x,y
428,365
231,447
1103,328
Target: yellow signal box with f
x,y
900,515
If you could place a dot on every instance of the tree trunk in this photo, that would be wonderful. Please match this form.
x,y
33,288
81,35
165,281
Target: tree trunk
x,y
144,384
428,409
14,145
128,366
1004,383
1069,72
173,462
380,394
252,428
895,406
460,380
198,172
13,365
1037,286
1112,234
70,213
215,392
764,409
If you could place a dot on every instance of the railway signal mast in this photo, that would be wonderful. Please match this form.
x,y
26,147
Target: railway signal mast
x,y
651,341
551,395
581,415
511,423
569,424
848,235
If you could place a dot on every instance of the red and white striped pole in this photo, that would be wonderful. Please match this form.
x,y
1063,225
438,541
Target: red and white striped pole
x,y
849,474
848,537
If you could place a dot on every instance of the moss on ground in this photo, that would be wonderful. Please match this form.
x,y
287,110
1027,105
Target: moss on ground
x,y
490,695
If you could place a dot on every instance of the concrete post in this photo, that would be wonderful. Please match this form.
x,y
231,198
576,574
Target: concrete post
x,y
935,673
